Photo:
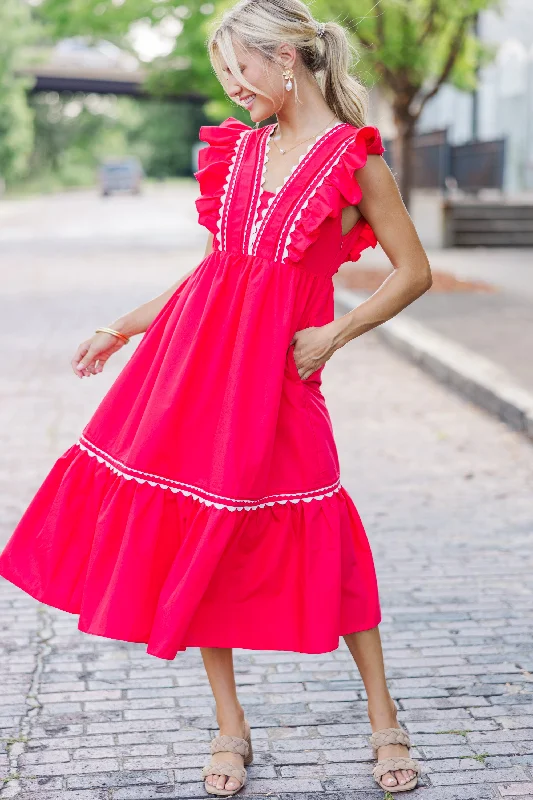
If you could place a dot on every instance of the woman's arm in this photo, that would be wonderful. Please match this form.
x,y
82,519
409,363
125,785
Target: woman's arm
x,y
383,208
92,355
138,320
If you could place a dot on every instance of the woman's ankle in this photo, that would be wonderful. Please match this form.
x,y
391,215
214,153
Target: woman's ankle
x,y
231,718
382,712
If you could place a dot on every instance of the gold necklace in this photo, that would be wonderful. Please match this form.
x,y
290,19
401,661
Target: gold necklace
x,y
288,150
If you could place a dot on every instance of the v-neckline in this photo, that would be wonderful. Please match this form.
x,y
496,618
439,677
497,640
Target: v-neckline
x,y
295,167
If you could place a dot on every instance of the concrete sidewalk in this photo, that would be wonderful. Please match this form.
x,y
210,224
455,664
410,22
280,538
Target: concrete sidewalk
x,y
494,326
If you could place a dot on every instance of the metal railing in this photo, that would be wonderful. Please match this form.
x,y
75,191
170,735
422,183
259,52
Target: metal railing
x,y
471,166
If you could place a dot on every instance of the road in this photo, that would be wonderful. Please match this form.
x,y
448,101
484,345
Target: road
x,y
445,494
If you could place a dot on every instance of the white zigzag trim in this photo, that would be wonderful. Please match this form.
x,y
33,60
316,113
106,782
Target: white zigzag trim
x,y
257,225
306,202
220,224
288,177
193,491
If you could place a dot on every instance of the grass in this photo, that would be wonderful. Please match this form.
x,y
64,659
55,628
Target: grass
x,y
481,757
13,739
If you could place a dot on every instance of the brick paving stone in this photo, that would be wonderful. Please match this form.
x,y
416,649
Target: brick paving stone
x,y
89,794
456,793
183,791
516,790
101,779
501,762
443,489
484,775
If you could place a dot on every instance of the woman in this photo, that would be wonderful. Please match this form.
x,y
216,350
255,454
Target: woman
x,y
202,504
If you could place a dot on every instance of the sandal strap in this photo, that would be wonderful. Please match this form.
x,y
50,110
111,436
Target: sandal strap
x,y
225,768
389,736
392,764
230,744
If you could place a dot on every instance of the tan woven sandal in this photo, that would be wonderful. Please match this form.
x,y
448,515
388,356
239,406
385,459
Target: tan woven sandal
x,y
393,736
229,744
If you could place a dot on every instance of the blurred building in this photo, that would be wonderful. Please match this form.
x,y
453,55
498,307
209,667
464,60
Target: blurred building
x,y
502,107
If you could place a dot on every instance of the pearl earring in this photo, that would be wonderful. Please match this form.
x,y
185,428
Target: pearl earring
x,y
288,75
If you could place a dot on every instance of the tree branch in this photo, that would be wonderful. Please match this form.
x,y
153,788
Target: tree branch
x,y
379,65
430,21
380,23
455,48
366,42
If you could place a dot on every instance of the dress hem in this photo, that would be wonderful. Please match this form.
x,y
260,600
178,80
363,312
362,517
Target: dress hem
x,y
193,643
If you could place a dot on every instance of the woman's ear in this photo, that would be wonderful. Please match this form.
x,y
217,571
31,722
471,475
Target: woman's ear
x,y
286,55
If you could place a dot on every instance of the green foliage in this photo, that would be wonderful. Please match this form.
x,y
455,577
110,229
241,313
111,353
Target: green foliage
x,y
15,117
164,136
75,132
72,133
412,47
463,732
187,70
97,17
481,757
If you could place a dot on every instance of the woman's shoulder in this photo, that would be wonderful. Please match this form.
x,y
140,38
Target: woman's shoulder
x,y
366,139
226,132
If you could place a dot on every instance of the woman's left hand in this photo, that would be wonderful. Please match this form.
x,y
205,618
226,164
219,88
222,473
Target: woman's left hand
x,y
313,347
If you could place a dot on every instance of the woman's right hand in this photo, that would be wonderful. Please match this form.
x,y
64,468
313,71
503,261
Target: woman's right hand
x,y
92,354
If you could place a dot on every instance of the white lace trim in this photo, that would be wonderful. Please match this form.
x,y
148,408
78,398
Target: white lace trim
x,y
262,217
258,212
221,227
343,147
203,496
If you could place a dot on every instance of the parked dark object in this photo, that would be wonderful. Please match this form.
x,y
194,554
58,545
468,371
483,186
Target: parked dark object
x,y
120,175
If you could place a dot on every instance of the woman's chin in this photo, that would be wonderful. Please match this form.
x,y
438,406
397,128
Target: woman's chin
x,y
259,113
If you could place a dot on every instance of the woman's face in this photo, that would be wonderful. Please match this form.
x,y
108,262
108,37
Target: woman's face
x,y
261,73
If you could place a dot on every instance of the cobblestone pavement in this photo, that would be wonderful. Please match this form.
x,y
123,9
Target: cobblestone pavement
x,y
497,325
445,493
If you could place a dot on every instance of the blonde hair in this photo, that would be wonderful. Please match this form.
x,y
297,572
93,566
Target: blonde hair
x,y
263,25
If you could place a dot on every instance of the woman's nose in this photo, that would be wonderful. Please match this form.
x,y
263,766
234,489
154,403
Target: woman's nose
x,y
234,88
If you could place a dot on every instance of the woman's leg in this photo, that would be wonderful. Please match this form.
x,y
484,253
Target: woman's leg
x,y
365,648
218,663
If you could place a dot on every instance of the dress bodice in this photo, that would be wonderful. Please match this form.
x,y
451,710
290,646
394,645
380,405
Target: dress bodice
x,y
301,222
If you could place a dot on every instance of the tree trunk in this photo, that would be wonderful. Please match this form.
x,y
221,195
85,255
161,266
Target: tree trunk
x,y
403,152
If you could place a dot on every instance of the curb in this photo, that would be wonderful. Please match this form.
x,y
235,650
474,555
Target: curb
x,y
477,378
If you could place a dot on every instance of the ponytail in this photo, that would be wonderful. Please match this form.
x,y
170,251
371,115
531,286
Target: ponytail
x,y
346,97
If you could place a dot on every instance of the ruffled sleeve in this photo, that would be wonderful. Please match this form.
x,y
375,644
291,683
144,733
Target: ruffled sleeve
x,y
213,166
339,189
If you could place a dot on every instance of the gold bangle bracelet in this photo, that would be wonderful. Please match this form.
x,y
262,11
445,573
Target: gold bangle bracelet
x,y
119,335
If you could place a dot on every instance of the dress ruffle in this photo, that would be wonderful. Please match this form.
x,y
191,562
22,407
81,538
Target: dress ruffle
x,y
339,189
141,564
214,162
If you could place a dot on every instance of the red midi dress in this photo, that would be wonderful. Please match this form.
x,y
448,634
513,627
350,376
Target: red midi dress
x,y
202,504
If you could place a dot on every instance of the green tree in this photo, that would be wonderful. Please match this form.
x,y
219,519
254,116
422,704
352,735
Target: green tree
x,y
412,47
73,131
164,135
16,126
186,72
